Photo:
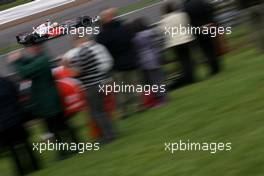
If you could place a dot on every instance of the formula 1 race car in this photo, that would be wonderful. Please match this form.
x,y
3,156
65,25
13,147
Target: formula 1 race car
x,y
50,30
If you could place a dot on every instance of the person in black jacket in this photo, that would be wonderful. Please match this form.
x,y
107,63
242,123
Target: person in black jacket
x,y
12,132
118,39
201,13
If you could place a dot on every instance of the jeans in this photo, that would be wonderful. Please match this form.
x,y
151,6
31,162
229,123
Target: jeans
x,y
98,113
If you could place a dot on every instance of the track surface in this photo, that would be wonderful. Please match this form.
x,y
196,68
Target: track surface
x,y
62,44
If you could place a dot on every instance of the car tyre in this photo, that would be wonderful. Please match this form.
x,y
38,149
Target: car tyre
x,y
85,21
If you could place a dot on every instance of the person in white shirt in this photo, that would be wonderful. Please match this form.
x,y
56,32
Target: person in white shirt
x,y
174,27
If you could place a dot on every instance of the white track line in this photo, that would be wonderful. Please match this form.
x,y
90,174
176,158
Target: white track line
x,y
29,9
125,14
134,11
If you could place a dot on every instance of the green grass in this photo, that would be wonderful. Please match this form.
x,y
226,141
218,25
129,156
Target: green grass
x,y
13,4
224,108
10,48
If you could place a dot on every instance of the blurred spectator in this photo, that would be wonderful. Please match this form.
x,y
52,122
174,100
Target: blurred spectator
x,y
44,95
70,89
93,62
248,3
254,16
74,96
118,40
63,70
180,42
201,13
149,56
12,132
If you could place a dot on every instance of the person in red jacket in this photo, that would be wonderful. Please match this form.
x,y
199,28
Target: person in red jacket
x,y
73,96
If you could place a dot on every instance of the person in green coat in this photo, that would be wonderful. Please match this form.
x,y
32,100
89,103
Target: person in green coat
x,y
45,99
44,95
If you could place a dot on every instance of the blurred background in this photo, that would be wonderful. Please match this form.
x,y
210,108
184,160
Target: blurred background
x,y
213,88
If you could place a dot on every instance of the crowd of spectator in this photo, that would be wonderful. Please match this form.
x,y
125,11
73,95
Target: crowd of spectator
x,y
124,53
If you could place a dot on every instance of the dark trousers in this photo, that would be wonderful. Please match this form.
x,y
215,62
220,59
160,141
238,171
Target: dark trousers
x,y
208,47
128,103
154,77
15,140
98,113
184,56
62,131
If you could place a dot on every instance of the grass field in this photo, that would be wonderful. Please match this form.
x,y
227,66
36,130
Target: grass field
x,y
13,4
10,48
224,108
